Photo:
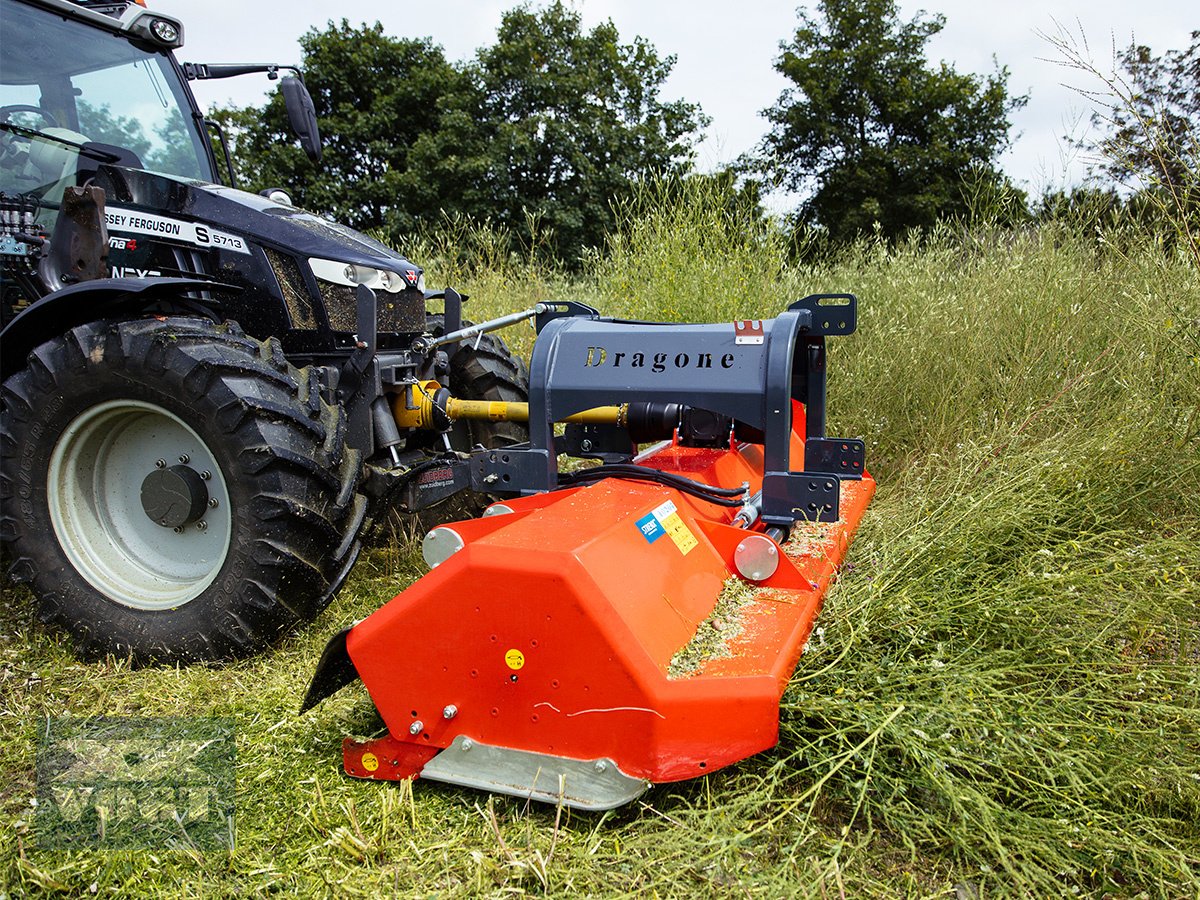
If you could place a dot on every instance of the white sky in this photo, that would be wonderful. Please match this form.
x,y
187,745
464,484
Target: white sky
x,y
726,51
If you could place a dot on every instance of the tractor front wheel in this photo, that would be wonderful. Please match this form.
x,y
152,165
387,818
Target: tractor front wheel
x,y
175,490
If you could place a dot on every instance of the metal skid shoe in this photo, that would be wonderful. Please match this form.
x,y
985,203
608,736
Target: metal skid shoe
x,y
633,623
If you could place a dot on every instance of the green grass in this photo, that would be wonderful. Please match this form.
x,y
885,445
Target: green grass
x,y
1004,690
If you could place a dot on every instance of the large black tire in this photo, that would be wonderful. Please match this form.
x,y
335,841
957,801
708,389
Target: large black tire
x,y
269,494
485,371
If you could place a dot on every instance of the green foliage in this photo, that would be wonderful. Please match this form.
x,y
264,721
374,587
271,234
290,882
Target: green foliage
x,y
1085,207
690,247
991,199
1150,142
1152,131
871,133
550,124
573,119
374,96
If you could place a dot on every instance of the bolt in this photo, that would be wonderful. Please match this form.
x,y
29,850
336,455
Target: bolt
x,y
491,479
213,503
184,458
585,446
415,727
178,529
206,475
601,766
450,712
161,464
202,525
467,744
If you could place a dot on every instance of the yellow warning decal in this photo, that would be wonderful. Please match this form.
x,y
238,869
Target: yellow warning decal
x,y
370,762
514,658
677,531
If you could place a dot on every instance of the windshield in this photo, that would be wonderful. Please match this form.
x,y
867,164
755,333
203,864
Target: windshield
x,y
65,85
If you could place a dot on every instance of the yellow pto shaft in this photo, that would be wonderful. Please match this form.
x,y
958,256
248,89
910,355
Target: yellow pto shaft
x,y
418,409
519,412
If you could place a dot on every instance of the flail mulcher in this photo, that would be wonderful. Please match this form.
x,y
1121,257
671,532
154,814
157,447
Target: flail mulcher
x,y
634,622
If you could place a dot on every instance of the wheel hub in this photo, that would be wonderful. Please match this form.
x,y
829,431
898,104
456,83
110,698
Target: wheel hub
x,y
174,497
150,542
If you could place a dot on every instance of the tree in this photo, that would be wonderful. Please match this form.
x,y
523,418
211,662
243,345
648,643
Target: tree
x,y
374,97
1150,141
548,125
573,120
1153,140
1153,123
870,133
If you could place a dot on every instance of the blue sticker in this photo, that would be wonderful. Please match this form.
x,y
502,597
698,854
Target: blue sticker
x,y
650,528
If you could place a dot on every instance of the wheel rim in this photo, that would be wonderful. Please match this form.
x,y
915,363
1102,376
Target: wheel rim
x,y
94,491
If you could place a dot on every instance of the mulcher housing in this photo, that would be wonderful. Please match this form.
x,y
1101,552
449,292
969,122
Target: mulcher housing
x,y
637,622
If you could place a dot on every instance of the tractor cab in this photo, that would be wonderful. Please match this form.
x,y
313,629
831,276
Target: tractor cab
x,y
83,88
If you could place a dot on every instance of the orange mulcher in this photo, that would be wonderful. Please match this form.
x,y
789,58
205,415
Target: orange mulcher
x,y
635,622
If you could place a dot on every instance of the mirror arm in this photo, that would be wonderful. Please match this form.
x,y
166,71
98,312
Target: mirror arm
x,y
205,71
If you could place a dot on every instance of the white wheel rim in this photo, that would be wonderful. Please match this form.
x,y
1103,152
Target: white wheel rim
x,y
93,490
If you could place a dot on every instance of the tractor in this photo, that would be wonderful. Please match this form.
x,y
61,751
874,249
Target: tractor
x,y
199,383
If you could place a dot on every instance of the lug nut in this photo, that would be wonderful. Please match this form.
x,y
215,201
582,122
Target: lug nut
x,y
184,458
213,503
450,712
178,529
202,525
206,474
415,728
160,464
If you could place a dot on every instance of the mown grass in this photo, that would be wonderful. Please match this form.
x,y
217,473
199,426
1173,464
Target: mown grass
x,y
1002,698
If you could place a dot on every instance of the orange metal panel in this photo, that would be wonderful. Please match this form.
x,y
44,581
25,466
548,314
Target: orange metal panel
x,y
553,630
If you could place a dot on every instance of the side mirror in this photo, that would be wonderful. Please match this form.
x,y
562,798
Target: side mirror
x,y
302,115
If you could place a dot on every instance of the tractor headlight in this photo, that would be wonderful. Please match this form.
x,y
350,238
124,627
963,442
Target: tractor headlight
x,y
353,274
162,30
165,30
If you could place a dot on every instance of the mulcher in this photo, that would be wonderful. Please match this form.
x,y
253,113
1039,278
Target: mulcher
x,y
634,622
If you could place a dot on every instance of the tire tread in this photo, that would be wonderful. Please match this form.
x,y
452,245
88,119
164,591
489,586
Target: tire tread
x,y
283,439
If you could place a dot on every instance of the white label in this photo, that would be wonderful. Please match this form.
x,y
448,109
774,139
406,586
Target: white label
x,y
129,220
668,517
131,272
665,510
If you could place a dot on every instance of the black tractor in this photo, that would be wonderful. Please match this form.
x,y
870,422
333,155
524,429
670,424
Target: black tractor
x,y
207,394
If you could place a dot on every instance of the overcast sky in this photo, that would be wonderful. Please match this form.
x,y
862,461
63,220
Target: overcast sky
x,y
726,52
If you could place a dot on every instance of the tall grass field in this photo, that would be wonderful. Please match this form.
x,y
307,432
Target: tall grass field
x,y
1001,699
